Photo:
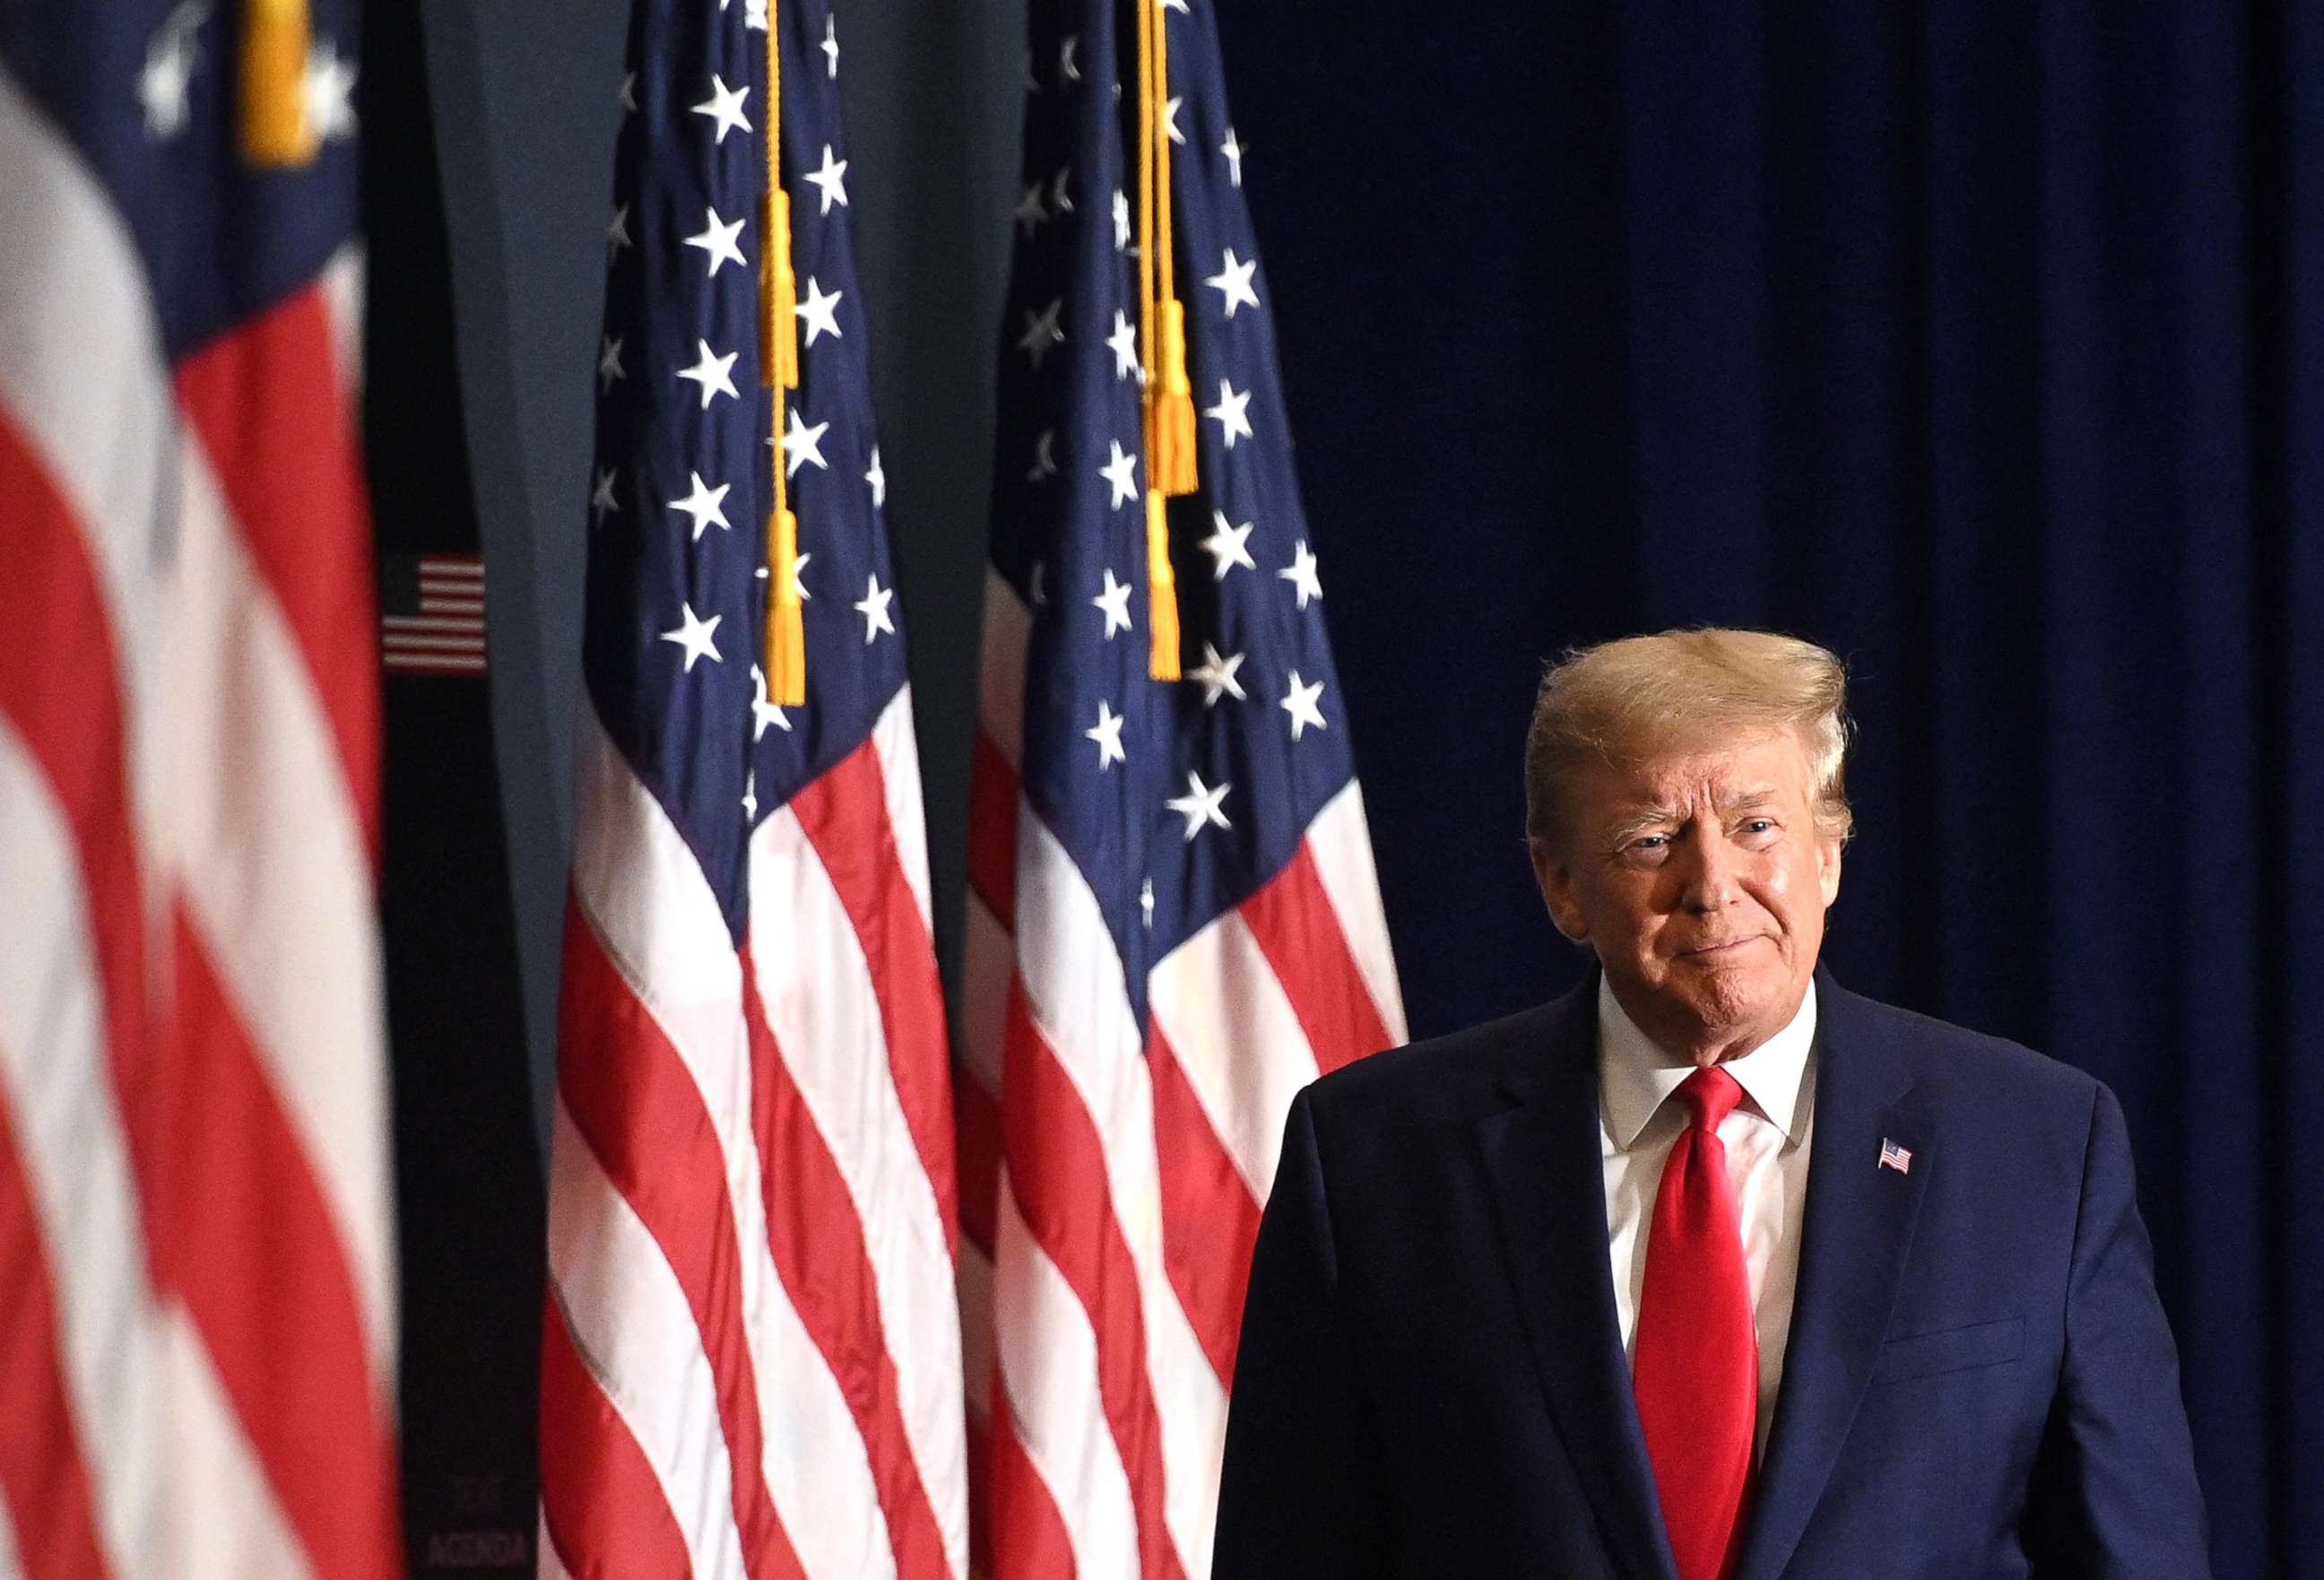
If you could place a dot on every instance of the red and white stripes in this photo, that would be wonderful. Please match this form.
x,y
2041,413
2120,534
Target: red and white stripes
x,y
196,1289
1107,1246
753,1348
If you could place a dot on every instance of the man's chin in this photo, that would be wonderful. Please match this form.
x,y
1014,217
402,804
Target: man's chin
x,y
1729,1001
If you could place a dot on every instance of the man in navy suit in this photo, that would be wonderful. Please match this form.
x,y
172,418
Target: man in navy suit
x,y
1710,1269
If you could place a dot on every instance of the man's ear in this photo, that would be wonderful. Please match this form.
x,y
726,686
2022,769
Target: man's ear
x,y
1556,881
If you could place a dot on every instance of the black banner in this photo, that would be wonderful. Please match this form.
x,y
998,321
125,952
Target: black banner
x,y
468,1184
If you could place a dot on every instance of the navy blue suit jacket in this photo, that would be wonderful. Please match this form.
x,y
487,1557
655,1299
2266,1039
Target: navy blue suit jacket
x,y
1979,1381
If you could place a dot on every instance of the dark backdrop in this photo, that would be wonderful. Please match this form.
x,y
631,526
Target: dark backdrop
x,y
1980,341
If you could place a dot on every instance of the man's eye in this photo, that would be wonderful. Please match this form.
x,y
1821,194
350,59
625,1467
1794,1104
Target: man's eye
x,y
1650,842
1759,826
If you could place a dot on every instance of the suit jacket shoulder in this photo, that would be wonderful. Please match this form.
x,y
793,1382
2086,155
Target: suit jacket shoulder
x,y
1995,1105
1954,1057
1450,1076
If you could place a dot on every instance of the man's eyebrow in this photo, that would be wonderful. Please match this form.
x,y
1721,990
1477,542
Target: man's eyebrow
x,y
1635,821
1758,797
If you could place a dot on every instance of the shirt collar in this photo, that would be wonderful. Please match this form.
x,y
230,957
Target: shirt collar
x,y
1635,1075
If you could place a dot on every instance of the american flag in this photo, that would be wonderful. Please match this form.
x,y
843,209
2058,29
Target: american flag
x,y
197,1316
1175,921
751,1361
432,619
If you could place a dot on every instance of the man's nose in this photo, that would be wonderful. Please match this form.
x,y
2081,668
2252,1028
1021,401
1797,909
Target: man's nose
x,y
1710,874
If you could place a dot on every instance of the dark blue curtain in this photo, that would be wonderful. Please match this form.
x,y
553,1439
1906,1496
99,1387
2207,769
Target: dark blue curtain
x,y
1983,342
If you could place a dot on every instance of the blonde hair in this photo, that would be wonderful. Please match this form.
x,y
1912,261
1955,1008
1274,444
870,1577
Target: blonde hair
x,y
1628,700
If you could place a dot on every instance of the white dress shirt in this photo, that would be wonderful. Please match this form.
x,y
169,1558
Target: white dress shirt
x,y
1766,1143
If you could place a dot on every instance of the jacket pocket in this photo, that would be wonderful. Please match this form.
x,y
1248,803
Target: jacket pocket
x,y
1954,1349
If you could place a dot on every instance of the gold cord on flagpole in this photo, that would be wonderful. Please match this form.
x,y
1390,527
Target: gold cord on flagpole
x,y
1145,116
1167,406
1169,398
778,369
275,128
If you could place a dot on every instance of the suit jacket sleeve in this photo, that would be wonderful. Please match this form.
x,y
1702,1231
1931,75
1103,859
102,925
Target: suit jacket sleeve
x,y
1299,1493
2114,1495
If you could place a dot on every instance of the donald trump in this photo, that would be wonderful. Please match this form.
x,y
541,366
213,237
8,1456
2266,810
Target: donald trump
x,y
1710,1269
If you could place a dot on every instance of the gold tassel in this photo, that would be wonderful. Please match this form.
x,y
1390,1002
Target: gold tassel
x,y
1170,429
1170,408
778,360
1169,404
786,632
1161,591
275,130
785,637
767,372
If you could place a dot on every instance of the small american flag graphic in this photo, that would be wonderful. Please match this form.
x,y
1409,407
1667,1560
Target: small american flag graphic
x,y
432,614
1892,1156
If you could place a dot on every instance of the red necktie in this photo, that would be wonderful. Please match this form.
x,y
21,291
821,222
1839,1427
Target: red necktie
x,y
1696,1366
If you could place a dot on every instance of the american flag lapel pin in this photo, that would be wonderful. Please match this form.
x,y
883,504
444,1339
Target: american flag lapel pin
x,y
1892,1156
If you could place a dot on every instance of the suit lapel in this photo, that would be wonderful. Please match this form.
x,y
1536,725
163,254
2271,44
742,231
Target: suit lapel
x,y
1855,1240
1542,1155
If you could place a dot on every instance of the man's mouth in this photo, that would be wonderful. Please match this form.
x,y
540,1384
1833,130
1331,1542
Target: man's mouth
x,y
1714,951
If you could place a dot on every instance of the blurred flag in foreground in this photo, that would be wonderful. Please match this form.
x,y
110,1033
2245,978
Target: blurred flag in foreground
x,y
1175,923
750,1360
197,1290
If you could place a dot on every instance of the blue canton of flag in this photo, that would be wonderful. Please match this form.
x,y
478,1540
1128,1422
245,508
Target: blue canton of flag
x,y
686,437
1218,777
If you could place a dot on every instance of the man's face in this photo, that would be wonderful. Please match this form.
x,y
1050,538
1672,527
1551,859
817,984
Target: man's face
x,y
1701,881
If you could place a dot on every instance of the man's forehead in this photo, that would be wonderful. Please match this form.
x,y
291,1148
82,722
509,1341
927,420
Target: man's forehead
x,y
1762,768
1721,794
